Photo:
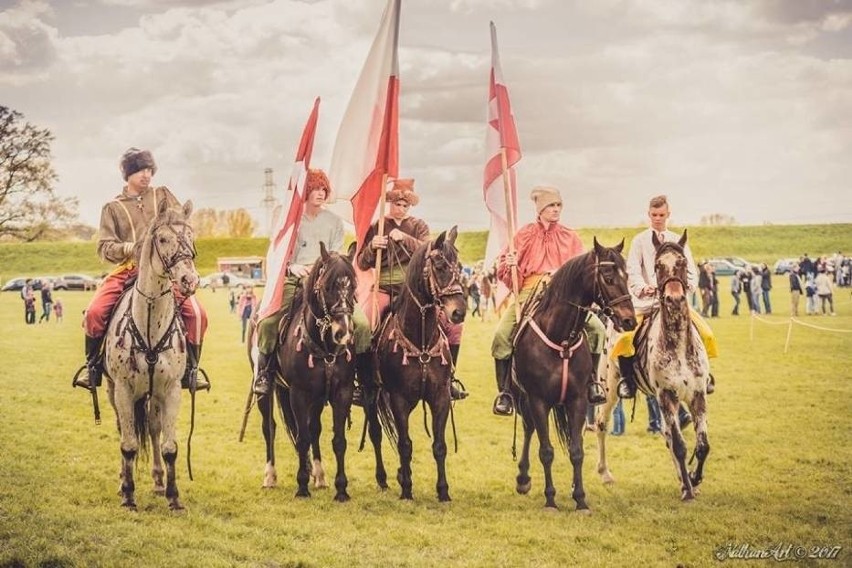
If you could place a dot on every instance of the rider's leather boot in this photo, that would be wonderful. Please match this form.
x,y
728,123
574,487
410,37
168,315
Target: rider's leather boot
x,y
627,384
503,405
457,390
94,365
596,394
364,375
191,379
265,374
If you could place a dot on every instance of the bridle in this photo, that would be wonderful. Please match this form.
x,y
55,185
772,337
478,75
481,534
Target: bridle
x,y
678,275
186,249
601,285
343,307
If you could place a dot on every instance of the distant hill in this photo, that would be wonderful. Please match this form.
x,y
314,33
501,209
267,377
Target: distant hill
x,y
758,244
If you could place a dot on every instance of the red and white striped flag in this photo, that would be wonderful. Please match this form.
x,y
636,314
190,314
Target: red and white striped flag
x,y
501,138
282,241
367,144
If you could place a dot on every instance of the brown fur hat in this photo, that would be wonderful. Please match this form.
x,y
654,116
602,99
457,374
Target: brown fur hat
x,y
135,160
403,190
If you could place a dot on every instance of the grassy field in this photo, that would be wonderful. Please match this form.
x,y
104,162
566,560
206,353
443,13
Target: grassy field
x,y
778,474
765,243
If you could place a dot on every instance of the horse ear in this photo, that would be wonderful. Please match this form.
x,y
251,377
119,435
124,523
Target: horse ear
x,y
597,246
323,251
162,207
351,252
620,246
187,208
451,236
439,242
682,240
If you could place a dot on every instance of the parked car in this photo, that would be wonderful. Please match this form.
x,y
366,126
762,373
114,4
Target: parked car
x,y
16,284
784,265
215,280
723,267
80,282
740,263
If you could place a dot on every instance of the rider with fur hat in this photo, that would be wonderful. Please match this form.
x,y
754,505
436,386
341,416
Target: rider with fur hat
x,y
125,219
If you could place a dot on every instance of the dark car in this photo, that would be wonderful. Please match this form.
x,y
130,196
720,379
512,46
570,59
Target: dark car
x,y
14,285
80,282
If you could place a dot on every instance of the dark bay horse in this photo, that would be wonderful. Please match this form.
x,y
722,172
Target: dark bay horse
x,y
552,362
671,365
317,365
145,351
412,352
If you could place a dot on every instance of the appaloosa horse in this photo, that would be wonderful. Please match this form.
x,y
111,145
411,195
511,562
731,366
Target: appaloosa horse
x,y
671,365
414,362
145,351
317,365
552,362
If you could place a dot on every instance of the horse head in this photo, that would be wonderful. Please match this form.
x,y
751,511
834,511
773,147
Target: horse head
x,y
170,247
611,292
671,269
330,296
441,272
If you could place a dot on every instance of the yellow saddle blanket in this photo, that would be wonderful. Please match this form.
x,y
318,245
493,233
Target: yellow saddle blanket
x,y
624,345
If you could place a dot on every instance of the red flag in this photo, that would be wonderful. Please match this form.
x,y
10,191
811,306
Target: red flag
x,y
282,241
501,136
367,145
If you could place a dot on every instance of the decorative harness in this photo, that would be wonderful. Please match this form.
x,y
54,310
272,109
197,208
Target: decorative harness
x,y
566,348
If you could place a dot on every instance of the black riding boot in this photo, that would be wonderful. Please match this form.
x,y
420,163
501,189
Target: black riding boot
x,y
191,379
627,384
503,405
456,392
364,377
94,365
265,374
596,394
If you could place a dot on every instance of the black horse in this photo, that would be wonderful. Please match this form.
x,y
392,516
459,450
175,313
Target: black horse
x,y
413,355
552,361
317,365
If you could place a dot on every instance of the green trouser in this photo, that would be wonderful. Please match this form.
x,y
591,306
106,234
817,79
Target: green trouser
x,y
501,347
267,328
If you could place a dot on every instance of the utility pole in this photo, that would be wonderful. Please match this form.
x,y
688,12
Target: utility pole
x,y
269,202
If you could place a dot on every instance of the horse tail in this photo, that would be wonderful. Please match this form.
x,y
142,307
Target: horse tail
x,y
386,419
562,425
140,424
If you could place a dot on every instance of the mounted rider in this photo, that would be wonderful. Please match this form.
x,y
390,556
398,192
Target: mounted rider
x,y
317,225
124,220
401,236
642,282
540,249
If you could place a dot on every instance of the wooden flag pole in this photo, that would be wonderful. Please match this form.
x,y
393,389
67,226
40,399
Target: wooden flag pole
x,y
381,229
510,217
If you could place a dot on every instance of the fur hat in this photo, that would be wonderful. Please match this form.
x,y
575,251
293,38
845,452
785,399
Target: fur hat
x,y
544,196
135,160
317,180
403,190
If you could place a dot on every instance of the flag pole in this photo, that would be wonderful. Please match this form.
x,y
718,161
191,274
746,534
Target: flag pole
x,y
381,229
510,217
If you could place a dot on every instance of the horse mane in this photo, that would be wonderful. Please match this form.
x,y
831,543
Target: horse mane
x,y
562,287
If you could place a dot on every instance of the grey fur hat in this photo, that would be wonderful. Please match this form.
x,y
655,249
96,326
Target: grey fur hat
x,y
134,160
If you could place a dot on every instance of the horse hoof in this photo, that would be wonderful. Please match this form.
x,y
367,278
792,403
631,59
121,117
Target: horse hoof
x,y
688,496
444,498
175,506
607,479
303,493
585,511
383,487
320,484
406,497
341,497
523,488
551,508
130,506
160,491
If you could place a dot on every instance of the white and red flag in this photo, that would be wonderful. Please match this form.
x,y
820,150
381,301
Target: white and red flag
x,y
282,240
503,151
366,150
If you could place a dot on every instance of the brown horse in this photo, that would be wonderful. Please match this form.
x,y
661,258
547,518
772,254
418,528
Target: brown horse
x,y
553,364
413,355
671,365
317,365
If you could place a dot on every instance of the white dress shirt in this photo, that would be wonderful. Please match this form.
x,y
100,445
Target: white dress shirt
x,y
640,267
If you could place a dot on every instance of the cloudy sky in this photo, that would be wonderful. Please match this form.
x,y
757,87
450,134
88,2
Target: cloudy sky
x,y
737,107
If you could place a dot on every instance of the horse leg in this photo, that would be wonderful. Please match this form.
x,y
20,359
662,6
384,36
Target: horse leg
x,y
440,412
374,427
401,411
122,400
300,404
170,407
698,407
268,426
317,470
540,413
604,412
340,411
576,423
523,482
669,405
155,428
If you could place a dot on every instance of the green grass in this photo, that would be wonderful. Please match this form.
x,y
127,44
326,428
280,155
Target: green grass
x,y
758,244
779,470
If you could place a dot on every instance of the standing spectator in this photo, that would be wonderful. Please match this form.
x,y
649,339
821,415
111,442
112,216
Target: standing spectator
x,y
824,291
232,300
765,287
28,297
811,296
473,291
736,290
806,266
705,287
795,290
487,292
57,310
745,278
226,280
714,291
247,305
756,290
46,302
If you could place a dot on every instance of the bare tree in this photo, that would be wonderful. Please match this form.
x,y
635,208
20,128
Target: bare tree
x,y
29,208
240,223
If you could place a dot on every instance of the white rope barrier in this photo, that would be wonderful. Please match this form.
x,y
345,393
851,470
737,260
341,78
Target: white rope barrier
x,y
789,323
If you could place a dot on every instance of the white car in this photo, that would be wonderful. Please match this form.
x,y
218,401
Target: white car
x,y
216,280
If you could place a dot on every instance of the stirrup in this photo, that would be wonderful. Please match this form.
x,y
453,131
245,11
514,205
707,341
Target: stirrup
x,y
503,404
81,378
358,396
195,379
263,384
626,388
458,390
596,394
